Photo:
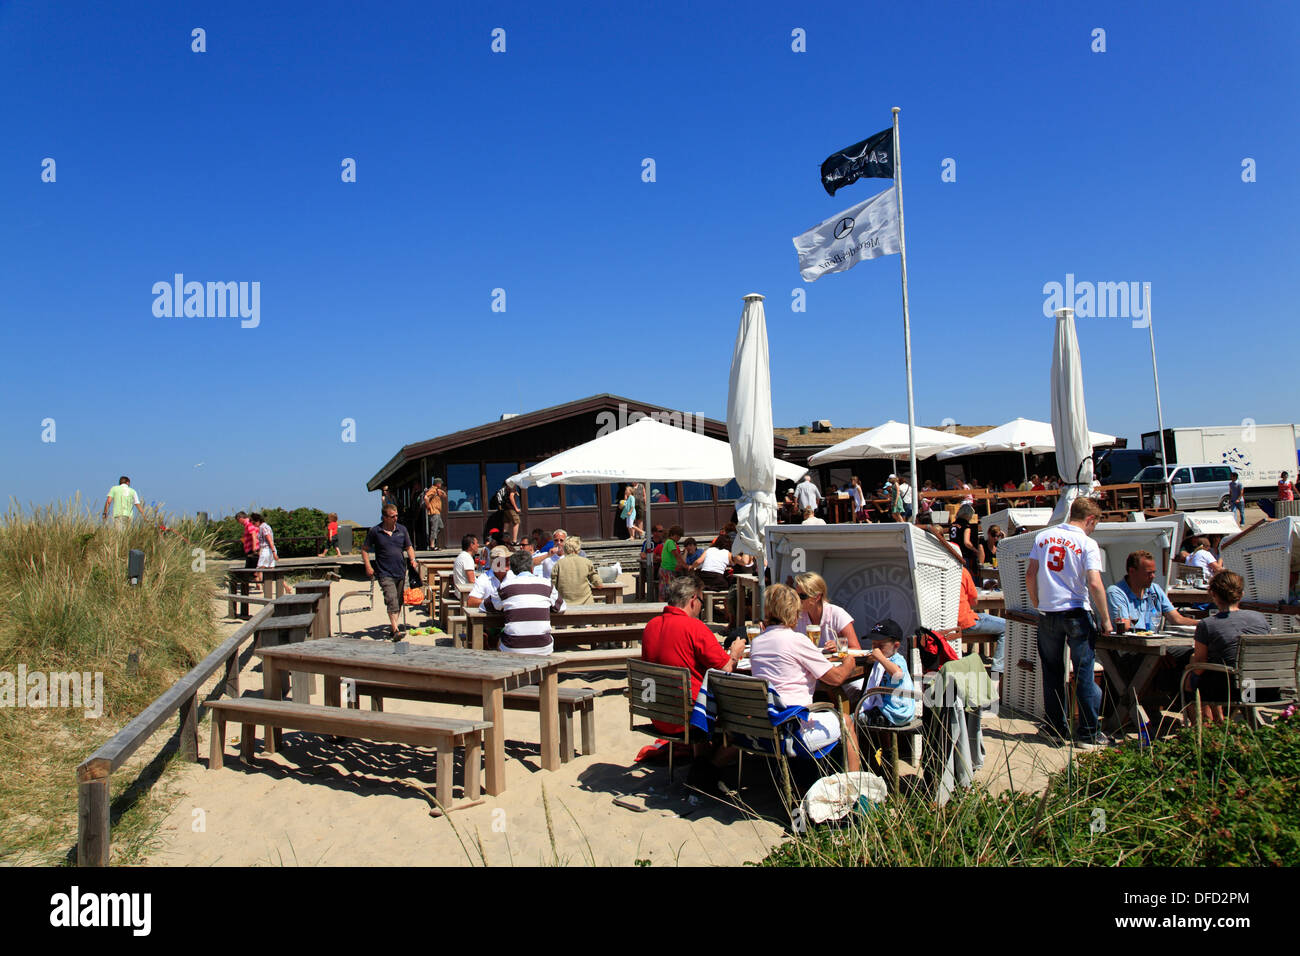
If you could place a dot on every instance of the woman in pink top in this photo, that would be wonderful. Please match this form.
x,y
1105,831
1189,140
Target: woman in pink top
x,y
835,622
792,666
1285,490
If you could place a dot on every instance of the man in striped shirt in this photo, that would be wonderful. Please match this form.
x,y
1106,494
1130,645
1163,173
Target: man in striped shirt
x,y
527,602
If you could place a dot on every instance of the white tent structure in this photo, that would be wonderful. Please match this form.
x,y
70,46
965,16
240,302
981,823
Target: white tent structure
x,y
1024,435
646,450
889,441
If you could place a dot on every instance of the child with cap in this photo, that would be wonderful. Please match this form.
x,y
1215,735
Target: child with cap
x,y
890,670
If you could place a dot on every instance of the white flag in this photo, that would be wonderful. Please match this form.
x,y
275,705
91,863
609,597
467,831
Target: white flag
x,y
864,231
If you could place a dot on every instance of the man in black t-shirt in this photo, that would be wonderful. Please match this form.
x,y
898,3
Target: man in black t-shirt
x,y
390,543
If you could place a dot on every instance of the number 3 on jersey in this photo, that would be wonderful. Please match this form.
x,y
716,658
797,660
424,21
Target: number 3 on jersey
x,y
1055,558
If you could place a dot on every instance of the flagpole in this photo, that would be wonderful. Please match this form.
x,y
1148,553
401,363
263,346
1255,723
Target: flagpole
x,y
1160,415
907,325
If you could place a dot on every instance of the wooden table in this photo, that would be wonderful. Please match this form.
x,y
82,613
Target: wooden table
x,y
990,602
608,593
242,578
490,674
1188,595
478,620
1154,648
748,594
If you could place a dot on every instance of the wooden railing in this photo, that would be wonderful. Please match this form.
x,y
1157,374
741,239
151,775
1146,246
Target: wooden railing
x,y
93,776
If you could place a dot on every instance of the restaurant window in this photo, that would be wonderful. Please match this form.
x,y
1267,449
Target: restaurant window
x,y
580,496
730,491
663,492
696,491
463,492
545,497
497,473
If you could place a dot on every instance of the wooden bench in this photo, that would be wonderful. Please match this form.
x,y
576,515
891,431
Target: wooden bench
x,y
444,734
581,700
610,659
289,629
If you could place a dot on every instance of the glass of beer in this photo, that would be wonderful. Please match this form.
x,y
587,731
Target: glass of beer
x,y
815,634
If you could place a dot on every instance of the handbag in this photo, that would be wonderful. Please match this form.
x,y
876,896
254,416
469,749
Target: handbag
x,y
413,596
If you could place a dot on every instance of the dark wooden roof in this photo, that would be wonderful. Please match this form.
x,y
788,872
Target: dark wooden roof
x,y
584,406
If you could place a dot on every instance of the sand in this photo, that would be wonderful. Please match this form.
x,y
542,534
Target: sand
x,y
356,803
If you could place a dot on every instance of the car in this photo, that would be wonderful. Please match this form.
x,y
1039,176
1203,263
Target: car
x,y
1195,486
1118,465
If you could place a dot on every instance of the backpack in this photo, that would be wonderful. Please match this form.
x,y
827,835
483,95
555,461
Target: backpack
x,y
501,499
935,651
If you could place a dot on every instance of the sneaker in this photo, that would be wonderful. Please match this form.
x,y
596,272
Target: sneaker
x,y
1100,742
1053,738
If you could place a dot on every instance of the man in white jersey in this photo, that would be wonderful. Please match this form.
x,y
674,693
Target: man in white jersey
x,y
1064,571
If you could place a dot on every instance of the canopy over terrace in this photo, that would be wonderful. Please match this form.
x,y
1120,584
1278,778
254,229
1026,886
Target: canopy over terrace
x,y
646,450
889,440
1024,435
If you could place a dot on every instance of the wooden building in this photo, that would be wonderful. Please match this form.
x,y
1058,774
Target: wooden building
x,y
476,461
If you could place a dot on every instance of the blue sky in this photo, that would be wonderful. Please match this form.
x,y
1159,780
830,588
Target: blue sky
x,y
523,171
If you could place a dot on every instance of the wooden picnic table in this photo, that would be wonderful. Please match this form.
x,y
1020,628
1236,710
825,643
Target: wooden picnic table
x,y
241,580
478,620
453,669
748,592
608,593
990,602
1188,595
1175,641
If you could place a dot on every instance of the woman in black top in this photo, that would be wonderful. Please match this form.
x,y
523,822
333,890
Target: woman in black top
x,y
967,531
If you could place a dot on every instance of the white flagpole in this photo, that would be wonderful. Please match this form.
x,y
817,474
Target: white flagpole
x,y
907,325
1160,415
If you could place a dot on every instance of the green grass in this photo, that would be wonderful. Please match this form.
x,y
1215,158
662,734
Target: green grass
x,y
1222,797
66,605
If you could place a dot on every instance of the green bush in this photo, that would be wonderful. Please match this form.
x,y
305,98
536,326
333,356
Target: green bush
x,y
306,523
1221,797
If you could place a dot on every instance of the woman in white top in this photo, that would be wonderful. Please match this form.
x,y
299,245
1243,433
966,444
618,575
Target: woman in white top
x,y
1202,558
713,569
268,555
859,499
792,666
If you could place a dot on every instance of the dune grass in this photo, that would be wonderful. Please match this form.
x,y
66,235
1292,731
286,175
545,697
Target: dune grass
x,y
66,605
1211,796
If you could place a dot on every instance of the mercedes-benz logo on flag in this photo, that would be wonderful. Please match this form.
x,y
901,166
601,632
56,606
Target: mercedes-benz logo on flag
x,y
844,227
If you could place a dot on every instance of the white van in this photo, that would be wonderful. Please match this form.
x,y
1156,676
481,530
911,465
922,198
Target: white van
x,y
1194,486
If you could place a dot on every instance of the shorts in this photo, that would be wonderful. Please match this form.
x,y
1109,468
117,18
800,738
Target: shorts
x,y
250,560
392,588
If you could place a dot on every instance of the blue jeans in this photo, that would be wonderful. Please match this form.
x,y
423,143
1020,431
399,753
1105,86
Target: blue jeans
x,y
1054,632
1239,509
992,624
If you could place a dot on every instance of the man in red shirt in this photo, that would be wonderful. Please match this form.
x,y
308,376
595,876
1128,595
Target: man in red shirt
x,y
250,542
678,638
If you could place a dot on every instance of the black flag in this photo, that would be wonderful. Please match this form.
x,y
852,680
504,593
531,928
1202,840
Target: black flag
x,y
871,158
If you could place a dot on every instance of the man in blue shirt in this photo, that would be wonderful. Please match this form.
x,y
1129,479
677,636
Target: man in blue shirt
x,y
390,543
1137,600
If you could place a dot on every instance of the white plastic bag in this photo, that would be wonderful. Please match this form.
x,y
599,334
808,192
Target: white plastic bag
x,y
836,796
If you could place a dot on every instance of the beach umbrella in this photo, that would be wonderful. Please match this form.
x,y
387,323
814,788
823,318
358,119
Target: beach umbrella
x,y
749,426
1025,435
889,441
646,450
1069,417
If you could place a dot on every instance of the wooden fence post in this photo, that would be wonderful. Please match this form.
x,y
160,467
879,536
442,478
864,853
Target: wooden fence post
x,y
189,713
92,820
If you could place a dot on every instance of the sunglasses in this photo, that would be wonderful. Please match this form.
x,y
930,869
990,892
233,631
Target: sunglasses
x,y
802,596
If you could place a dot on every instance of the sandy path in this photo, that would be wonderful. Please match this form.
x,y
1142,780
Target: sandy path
x,y
348,802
